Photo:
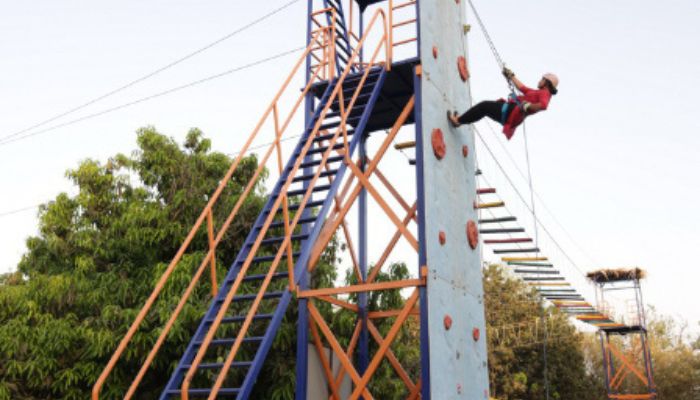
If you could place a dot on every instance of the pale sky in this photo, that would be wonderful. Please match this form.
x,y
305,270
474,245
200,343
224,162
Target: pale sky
x,y
614,158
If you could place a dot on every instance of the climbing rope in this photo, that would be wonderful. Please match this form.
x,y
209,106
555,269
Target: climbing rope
x,y
492,46
512,88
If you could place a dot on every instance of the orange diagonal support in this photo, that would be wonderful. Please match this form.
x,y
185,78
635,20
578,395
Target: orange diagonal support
x,y
627,364
387,210
394,239
351,349
327,371
392,358
364,287
337,349
379,355
331,226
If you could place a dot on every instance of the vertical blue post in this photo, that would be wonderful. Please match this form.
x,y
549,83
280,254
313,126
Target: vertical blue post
x,y
302,367
422,257
363,342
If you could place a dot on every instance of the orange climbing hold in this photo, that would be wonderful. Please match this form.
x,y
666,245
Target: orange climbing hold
x,y
441,237
462,66
448,322
465,150
472,234
438,141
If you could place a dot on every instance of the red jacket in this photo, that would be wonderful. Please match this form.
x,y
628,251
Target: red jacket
x,y
516,117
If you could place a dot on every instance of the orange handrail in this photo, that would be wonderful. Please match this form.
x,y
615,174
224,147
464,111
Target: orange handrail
x,y
207,213
263,231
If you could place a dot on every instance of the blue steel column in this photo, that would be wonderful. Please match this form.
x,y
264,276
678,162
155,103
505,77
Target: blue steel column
x,y
363,342
422,257
302,367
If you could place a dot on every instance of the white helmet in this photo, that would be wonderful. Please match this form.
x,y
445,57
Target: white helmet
x,y
553,79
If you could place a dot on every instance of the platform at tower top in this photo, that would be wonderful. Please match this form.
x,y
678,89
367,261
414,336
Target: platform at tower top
x,y
395,93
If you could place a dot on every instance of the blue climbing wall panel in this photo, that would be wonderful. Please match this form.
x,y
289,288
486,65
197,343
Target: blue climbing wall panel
x,y
457,357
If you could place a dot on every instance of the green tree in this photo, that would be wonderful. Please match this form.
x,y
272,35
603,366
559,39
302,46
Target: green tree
x,y
98,255
515,353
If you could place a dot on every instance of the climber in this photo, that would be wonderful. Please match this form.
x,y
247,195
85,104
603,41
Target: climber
x,y
511,113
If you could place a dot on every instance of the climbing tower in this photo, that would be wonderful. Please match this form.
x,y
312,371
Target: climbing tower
x,y
373,68
623,334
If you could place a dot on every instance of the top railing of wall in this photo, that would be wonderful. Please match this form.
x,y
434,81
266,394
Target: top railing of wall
x,y
323,40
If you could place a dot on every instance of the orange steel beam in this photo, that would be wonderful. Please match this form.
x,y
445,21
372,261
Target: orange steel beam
x,y
364,287
339,303
327,371
382,203
212,249
389,313
400,371
333,342
253,308
379,355
391,189
97,388
331,226
392,243
627,364
351,349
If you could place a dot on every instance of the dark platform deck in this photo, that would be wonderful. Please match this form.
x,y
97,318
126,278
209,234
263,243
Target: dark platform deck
x,y
395,93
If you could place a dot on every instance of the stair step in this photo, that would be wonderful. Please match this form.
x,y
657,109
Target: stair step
x,y
336,146
205,392
248,297
280,239
259,277
241,318
327,136
317,188
310,176
230,341
280,224
235,364
314,163
309,204
261,259
363,96
356,77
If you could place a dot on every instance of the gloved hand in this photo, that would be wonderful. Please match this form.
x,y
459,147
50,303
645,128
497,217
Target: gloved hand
x,y
526,106
508,73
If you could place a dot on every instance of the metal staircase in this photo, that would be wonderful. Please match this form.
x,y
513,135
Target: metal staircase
x,y
253,298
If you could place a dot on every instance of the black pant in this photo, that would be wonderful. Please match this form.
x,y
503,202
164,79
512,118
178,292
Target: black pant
x,y
491,109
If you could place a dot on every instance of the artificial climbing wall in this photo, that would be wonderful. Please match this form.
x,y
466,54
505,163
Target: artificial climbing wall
x,y
450,246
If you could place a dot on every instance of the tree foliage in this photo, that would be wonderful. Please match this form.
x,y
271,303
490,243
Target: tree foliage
x,y
98,255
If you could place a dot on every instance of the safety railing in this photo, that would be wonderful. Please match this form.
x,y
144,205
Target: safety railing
x,y
405,14
280,123
341,132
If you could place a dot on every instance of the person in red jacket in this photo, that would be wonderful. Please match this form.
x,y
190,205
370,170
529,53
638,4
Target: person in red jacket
x,y
511,113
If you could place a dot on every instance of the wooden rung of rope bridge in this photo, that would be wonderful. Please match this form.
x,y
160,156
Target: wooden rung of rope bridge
x,y
405,145
525,259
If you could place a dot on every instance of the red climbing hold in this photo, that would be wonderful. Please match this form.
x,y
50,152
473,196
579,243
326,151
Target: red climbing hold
x,y
465,150
448,322
476,333
435,51
438,141
462,66
472,234
441,237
